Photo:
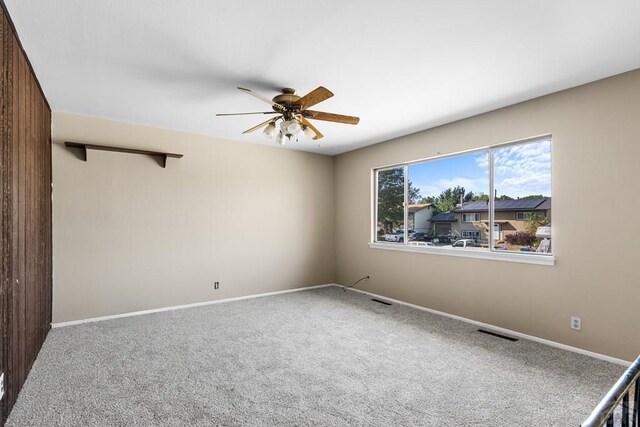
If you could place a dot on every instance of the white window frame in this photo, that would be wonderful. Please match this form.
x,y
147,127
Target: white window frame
x,y
475,234
491,253
476,215
374,236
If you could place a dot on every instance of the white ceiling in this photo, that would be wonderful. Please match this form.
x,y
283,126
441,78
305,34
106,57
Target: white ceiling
x,y
401,66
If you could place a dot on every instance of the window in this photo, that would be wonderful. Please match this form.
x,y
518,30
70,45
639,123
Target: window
x,y
500,197
471,217
449,185
470,234
390,212
523,216
522,183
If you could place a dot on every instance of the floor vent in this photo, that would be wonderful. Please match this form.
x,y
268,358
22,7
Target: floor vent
x,y
381,302
495,334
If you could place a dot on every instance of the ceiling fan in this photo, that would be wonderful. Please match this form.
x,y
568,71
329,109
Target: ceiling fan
x,y
293,114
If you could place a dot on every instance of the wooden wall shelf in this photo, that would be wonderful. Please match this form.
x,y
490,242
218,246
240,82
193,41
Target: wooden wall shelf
x,y
84,147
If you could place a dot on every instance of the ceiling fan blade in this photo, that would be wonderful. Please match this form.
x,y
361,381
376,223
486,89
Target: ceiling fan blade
x,y
261,125
314,97
244,114
331,117
262,98
312,127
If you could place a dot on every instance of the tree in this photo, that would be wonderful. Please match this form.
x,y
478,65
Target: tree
x,y
450,198
536,221
480,198
391,198
414,193
521,238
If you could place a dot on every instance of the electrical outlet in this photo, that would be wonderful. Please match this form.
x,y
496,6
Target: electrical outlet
x,y
216,285
1,386
576,323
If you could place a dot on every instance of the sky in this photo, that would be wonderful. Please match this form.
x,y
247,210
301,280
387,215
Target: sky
x,y
520,170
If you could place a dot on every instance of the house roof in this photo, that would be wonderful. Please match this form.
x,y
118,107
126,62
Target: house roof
x,y
418,206
444,217
540,203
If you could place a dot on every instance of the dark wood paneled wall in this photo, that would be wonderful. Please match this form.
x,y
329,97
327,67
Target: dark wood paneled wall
x,y
25,220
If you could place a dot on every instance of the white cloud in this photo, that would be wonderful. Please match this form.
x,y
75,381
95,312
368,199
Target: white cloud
x,y
429,190
483,160
521,170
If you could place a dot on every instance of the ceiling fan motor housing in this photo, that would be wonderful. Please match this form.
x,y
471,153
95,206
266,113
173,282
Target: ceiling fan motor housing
x,y
288,99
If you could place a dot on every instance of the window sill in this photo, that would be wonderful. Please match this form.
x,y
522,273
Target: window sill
x,y
530,258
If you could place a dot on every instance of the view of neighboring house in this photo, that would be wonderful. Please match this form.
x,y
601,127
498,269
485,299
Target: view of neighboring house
x,y
471,220
419,220
420,217
443,223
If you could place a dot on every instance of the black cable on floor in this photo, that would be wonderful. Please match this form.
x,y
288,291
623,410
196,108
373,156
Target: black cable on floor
x,y
357,281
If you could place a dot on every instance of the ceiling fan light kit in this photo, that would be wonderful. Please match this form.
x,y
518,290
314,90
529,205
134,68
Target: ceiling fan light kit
x,y
290,127
270,130
293,114
308,132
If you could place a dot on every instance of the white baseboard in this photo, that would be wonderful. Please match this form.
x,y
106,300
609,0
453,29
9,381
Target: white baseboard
x,y
499,329
417,307
180,307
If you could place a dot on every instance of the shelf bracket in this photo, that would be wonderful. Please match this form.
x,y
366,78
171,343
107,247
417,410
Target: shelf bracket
x,y
83,153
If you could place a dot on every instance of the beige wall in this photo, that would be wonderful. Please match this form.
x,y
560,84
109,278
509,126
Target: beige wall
x,y
596,147
130,235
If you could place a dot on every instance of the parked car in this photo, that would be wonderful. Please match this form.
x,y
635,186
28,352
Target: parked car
x,y
544,232
442,239
421,237
428,244
465,243
398,236
394,237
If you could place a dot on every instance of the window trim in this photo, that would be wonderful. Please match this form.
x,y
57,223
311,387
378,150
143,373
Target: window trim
x,y
476,234
374,213
405,205
475,215
524,219
492,203
530,258
491,253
